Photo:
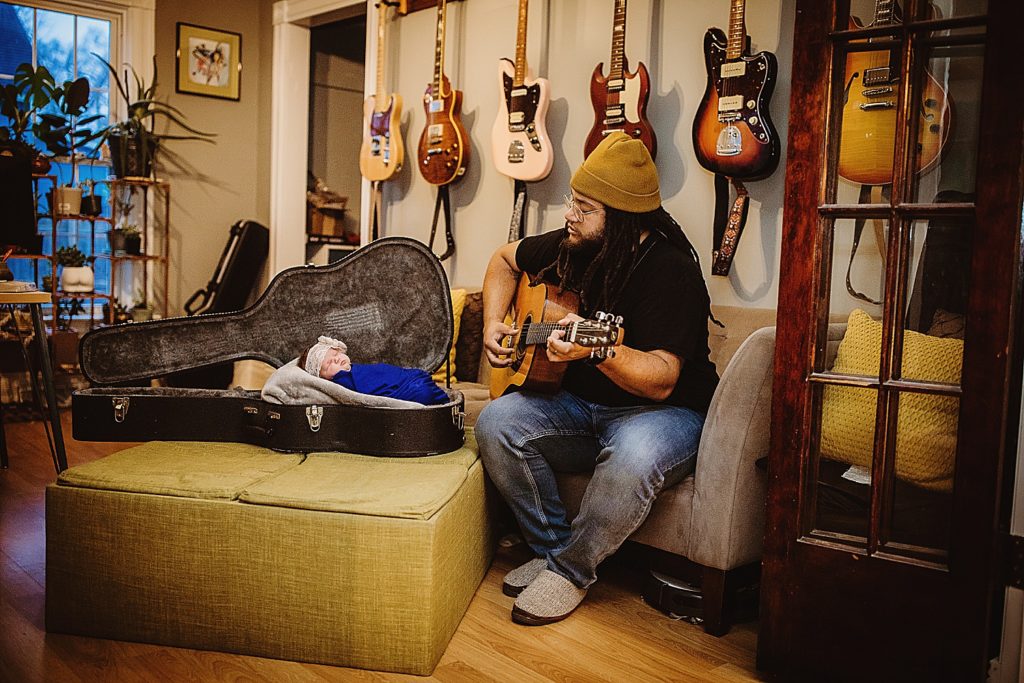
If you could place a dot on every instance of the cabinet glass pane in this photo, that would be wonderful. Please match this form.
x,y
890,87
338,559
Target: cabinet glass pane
x,y
846,443
944,9
875,12
858,272
926,440
938,271
950,106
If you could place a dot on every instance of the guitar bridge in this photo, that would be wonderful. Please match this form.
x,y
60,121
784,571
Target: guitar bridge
x,y
730,142
516,152
435,135
875,92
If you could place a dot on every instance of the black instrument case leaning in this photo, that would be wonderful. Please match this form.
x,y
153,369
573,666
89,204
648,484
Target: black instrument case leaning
x,y
389,302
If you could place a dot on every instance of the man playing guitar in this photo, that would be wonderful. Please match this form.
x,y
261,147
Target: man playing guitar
x,y
634,418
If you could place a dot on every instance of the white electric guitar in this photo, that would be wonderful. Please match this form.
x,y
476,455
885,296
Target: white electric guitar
x,y
519,140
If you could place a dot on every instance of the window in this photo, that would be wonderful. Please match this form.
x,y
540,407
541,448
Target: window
x,y
66,44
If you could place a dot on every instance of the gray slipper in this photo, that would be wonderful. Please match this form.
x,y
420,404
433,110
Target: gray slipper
x,y
550,598
522,576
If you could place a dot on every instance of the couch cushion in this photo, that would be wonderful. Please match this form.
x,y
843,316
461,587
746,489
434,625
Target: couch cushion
x,y
190,470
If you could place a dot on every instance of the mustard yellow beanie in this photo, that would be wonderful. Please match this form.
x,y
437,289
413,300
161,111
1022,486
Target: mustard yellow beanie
x,y
621,174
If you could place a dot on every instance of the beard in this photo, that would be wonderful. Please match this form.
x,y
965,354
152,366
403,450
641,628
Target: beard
x,y
581,246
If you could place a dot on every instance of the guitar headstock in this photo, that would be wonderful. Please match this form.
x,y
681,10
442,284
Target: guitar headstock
x,y
601,335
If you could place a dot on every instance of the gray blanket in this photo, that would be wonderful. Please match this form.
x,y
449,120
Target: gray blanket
x,y
291,385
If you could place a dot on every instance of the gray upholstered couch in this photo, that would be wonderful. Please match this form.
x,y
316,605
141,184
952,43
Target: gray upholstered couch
x,y
709,527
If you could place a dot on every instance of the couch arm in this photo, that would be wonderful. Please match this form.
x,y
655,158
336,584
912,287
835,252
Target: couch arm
x,y
727,519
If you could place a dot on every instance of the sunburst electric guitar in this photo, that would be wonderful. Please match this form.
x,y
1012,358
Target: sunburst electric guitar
x,y
382,152
535,314
620,98
733,134
868,139
444,145
519,139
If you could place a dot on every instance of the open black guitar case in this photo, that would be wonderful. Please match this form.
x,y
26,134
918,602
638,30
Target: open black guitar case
x,y
389,302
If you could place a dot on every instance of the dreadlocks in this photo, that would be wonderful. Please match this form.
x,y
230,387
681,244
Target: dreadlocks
x,y
606,271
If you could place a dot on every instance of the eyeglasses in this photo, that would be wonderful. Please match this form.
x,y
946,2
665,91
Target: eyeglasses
x,y
577,212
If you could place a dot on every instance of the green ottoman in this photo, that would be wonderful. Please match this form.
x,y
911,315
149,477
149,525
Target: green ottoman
x,y
330,558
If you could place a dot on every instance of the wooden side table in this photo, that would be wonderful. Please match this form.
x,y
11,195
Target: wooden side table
x,y
35,300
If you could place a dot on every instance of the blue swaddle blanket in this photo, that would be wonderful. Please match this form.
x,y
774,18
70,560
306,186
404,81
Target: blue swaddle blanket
x,y
382,379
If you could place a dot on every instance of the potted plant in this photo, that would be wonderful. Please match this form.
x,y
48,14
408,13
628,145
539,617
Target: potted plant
x,y
133,142
142,310
64,133
29,92
132,239
119,314
64,341
92,203
76,272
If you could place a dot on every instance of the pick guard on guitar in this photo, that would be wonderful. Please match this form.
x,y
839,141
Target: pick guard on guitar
x,y
621,108
519,139
733,134
444,145
867,143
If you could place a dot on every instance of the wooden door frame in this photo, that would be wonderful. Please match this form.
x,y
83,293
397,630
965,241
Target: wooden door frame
x,y
991,381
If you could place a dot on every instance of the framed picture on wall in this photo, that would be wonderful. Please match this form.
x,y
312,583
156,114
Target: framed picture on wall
x,y
209,62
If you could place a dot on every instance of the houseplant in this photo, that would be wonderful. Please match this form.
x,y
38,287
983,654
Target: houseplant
x,y
64,133
132,239
76,272
134,142
92,203
29,92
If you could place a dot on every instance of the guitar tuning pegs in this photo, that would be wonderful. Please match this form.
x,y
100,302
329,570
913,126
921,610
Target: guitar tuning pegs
x,y
618,320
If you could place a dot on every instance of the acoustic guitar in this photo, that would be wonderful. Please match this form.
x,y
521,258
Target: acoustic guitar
x,y
620,98
519,139
382,152
443,152
733,134
868,139
535,313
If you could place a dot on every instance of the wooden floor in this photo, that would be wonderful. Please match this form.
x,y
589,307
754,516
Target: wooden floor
x,y
613,636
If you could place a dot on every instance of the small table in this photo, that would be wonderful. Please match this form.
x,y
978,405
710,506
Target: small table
x,y
34,300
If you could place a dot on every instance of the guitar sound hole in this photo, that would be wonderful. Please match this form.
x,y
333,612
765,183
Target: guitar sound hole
x,y
521,340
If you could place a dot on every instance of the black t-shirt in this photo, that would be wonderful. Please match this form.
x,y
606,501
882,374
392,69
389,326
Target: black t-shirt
x,y
663,307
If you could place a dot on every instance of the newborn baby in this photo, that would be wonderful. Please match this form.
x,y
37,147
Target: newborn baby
x,y
328,359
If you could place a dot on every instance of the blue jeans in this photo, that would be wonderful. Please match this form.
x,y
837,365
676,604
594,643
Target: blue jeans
x,y
633,452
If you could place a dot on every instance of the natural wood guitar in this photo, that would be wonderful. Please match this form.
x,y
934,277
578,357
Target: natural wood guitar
x,y
382,152
443,152
519,139
733,134
620,98
867,142
535,314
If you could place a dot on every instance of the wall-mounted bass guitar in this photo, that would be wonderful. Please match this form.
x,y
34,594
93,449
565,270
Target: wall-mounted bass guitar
x,y
444,145
519,139
620,98
535,314
382,151
733,134
868,140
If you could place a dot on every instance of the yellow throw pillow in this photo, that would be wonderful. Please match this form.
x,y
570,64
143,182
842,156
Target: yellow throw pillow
x,y
458,303
927,423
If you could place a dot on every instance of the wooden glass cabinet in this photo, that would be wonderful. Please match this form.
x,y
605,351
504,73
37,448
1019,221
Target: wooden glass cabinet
x,y
897,369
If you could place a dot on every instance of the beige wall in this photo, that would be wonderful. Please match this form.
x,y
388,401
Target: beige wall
x,y
567,38
229,180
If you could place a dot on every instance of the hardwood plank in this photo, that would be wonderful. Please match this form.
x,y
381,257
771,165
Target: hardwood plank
x,y
613,636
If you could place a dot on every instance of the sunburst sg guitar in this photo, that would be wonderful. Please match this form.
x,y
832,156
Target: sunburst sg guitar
x,y
519,139
382,152
535,314
620,98
733,134
867,141
443,152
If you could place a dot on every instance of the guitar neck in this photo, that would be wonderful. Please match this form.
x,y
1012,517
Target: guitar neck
x,y
520,75
886,12
439,48
618,59
737,30
381,17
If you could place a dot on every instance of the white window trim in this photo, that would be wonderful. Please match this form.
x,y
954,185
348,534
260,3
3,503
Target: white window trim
x,y
289,126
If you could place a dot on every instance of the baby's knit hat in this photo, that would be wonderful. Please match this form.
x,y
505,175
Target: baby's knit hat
x,y
621,174
317,352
